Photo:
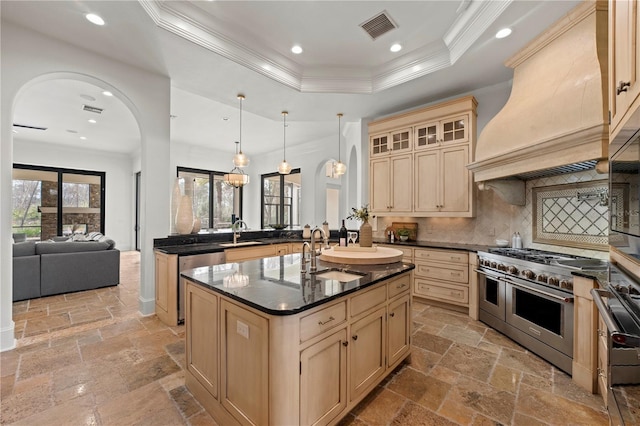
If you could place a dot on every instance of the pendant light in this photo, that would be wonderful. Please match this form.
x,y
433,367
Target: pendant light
x,y
240,160
284,168
339,168
236,178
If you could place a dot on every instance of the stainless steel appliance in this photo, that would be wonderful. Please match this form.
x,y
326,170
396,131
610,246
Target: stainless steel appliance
x,y
528,295
191,262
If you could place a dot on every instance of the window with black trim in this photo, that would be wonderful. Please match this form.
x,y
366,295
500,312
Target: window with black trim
x,y
281,195
214,202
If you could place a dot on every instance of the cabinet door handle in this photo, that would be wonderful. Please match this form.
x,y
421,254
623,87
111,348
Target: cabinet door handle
x,y
392,314
623,86
401,285
345,343
455,274
354,337
326,322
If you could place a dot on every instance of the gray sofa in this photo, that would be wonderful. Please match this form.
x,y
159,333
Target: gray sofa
x,y
48,268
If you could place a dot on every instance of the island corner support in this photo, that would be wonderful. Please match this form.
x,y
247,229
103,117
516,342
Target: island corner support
x,y
294,369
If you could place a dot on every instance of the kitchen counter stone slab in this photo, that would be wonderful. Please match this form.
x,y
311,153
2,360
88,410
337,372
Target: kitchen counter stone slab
x,y
274,285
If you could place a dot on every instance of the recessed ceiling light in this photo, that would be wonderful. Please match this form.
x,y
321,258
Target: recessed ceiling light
x,y
107,93
15,131
92,121
225,118
505,32
396,48
72,131
84,138
94,19
296,49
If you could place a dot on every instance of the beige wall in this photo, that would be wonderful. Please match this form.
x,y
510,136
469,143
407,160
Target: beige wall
x,y
494,219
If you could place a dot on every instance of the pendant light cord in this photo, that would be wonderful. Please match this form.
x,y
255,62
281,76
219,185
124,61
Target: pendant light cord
x,y
339,117
284,135
241,97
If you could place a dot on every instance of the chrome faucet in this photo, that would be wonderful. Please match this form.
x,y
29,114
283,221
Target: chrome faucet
x,y
314,253
303,260
237,228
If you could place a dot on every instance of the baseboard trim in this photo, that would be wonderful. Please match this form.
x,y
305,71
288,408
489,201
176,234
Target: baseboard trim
x,y
146,306
7,338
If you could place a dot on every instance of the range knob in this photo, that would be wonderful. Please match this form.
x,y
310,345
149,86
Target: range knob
x,y
567,284
493,264
502,267
529,274
512,270
542,278
554,281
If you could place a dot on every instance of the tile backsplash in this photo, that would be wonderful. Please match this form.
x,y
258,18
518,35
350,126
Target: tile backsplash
x,y
496,219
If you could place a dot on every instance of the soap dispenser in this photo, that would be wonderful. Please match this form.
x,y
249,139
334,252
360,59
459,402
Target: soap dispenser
x,y
513,240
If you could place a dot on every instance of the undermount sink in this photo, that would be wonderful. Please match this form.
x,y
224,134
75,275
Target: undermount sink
x,y
338,275
241,243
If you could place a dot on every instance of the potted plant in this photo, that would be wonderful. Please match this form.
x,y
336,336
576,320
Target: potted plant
x,y
403,233
366,232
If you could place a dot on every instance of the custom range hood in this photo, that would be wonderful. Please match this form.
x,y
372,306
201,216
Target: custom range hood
x,y
556,117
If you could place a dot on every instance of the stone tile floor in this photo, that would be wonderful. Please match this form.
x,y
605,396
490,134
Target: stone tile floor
x,y
90,358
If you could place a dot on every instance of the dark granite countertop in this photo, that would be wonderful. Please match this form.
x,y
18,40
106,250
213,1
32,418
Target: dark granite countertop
x,y
274,285
436,245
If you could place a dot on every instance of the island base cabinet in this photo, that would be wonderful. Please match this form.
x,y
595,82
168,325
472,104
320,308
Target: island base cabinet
x,y
367,359
399,329
202,359
323,380
244,364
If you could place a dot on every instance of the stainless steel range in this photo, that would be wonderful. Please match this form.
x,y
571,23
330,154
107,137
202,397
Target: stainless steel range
x,y
527,295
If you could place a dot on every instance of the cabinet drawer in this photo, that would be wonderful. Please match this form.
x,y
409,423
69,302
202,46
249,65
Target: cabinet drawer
x,y
318,322
440,291
441,255
368,300
399,286
443,271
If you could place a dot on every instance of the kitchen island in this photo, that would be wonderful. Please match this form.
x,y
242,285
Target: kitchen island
x,y
266,344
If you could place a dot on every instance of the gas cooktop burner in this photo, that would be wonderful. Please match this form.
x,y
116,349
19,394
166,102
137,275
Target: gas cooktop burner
x,y
532,255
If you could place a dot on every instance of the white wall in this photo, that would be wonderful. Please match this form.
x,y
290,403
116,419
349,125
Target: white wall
x,y
29,58
119,217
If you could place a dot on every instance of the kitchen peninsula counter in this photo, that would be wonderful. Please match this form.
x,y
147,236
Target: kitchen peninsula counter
x,y
266,344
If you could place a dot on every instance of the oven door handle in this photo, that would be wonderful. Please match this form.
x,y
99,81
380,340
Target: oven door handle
x,y
544,293
602,308
489,274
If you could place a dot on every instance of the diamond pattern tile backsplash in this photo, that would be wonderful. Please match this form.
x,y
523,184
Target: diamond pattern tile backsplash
x,y
496,219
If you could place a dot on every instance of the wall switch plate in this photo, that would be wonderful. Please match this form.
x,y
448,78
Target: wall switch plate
x,y
242,329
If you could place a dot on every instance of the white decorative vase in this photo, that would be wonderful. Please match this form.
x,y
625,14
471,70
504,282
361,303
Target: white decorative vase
x,y
184,217
366,235
196,225
175,203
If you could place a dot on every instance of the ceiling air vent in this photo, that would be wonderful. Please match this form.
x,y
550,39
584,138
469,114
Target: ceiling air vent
x,y
92,109
24,126
378,25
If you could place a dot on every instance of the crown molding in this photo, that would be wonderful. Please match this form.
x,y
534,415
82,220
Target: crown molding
x,y
195,25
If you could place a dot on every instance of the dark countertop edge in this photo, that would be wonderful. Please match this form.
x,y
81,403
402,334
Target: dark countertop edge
x,y
602,276
214,246
410,267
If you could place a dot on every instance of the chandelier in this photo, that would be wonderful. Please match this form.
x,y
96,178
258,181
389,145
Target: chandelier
x,y
236,178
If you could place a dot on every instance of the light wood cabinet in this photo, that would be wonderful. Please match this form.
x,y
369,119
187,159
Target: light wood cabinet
x,y
166,283
250,253
624,61
323,379
429,179
584,366
392,178
393,142
444,186
442,276
442,132
307,368
202,323
603,359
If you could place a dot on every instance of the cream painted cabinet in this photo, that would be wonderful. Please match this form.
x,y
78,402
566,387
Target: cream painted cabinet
x,y
323,379
445,131
367,359
202,323
443,185
391,184
437,183
624,61
442,276
166,282
398,328
393,142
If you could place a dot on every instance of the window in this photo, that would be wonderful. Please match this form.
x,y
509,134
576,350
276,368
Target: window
x,y
281,199
50,201
214,203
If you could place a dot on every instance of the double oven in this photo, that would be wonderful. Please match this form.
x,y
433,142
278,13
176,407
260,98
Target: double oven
x,y
527,295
